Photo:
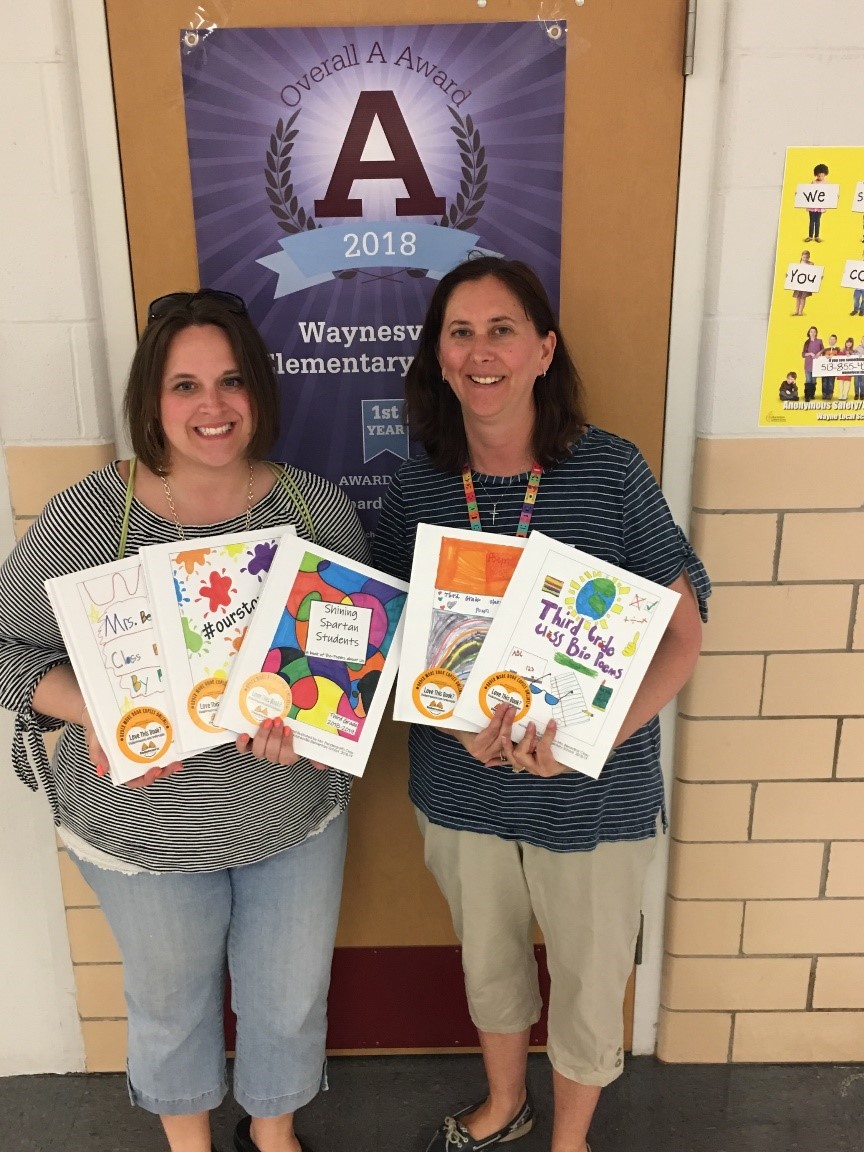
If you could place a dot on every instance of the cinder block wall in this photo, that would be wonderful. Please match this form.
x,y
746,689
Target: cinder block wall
x,y
765,917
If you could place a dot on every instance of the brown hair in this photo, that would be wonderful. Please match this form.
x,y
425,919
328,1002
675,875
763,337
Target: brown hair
x,y
142,400
434,414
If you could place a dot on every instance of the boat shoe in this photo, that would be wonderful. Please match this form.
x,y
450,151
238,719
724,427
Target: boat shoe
x,y
453,1136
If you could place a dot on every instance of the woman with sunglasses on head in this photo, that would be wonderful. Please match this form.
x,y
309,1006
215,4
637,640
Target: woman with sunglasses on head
x,y
510,834
233,858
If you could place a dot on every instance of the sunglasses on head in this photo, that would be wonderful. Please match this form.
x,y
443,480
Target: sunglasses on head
x,y
162,305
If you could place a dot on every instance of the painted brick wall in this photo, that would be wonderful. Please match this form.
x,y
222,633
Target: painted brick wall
x,y
765,918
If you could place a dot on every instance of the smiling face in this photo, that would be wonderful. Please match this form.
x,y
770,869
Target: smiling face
x,y
491,354
205,410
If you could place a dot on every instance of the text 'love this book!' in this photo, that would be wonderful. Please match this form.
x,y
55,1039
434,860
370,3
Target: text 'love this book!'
x,y
572,640
203,593
320,654
105,618
457,580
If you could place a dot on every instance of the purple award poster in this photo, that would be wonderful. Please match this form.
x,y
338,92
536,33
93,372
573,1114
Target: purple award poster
x,y
337,174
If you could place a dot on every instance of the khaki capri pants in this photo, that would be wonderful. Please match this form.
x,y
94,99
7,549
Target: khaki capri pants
x,y
587,905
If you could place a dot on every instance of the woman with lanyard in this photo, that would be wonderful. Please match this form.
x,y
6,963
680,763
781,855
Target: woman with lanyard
x,y
509,833
232,858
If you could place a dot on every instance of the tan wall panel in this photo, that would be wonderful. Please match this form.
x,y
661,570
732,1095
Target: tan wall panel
x,y
809,927
724,686
733,475
798,1037
104,1045
755,749
704,927
77,893
777,618
693,1037
90,939
812,684
100,991
818,811
734,547
839,982
744,871
846,870
711,811
822,546
858,632
38,473
850,758
710,982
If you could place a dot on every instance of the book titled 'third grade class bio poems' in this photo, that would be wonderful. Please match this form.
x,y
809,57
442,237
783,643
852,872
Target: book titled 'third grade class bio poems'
x,y
572,640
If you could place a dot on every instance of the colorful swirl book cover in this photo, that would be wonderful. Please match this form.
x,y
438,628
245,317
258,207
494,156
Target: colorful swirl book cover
x,y
572,640
458,578
320,654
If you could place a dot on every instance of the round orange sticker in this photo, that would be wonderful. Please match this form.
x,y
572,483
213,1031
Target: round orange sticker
x,y
203,703
435,693
505,688
265,696
143,734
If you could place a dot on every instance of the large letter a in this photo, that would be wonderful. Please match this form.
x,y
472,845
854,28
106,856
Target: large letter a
x,y
406,164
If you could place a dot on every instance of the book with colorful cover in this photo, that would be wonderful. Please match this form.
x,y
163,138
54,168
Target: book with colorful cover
x,y
320,654
105,618
572,640
203,593
458,578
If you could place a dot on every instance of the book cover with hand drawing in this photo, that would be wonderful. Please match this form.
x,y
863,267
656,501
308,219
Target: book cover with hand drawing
x,y
320,654
458,578
203,593
105,619
572,640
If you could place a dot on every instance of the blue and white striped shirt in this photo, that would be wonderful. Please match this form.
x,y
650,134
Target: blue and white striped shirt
x,y
604,500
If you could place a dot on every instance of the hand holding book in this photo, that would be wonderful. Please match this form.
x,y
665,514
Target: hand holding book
x,y
493,746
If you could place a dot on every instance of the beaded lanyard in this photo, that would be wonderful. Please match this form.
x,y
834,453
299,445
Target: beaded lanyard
x,y
527,506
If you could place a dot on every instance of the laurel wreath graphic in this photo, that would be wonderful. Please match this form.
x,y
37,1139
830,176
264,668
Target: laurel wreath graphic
x,y
293,218
284,205
468,204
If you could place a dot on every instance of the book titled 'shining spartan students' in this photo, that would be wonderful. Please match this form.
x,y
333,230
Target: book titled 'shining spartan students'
x,y
572,640
106,621
203,593
320,653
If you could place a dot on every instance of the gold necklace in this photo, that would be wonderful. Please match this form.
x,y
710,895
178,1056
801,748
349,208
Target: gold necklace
x,y
162,476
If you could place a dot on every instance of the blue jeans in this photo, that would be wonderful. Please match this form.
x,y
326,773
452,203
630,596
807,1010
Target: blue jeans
x,y
858,300
273,925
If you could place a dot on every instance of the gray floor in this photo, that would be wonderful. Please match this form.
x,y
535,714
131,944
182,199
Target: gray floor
x,y
391,1104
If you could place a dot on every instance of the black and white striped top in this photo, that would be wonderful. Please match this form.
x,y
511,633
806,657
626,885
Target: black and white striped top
x,y
224,808
604,500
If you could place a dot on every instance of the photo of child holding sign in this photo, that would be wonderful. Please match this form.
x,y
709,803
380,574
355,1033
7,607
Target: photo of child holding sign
x,y
815,213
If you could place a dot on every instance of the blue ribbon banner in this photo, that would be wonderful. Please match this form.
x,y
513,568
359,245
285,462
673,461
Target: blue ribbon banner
x,y
383,429
312,257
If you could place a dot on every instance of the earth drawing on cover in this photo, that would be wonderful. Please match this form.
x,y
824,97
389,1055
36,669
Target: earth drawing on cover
x,y
325,688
